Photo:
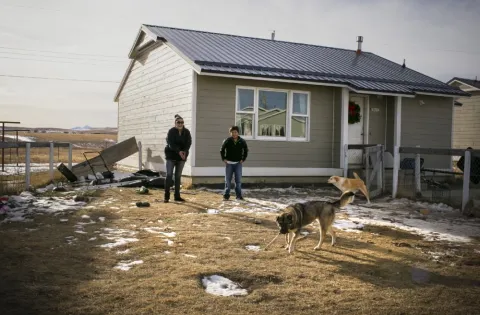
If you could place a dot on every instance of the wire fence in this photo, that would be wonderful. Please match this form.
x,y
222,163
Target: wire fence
x,y
25,164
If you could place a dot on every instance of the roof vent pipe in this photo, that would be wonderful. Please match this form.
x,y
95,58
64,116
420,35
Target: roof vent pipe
x,y
359,41
273,35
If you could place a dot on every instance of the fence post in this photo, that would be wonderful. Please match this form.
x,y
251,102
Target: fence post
x,y
140,164
380,170
27,165
70,154
396,168
345,161
52,152
418,187
466,179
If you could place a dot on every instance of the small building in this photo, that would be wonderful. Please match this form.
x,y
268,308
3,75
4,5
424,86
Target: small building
x,y
466,115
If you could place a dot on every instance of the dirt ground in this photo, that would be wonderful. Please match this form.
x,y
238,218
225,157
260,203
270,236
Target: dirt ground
x,y
54,266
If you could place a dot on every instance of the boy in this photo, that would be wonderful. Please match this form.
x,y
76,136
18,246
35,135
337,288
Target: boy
x,y
234,152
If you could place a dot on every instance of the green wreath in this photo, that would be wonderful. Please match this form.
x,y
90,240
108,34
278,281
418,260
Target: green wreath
x,y
353,113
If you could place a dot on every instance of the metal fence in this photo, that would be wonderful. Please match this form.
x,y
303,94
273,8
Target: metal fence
x,y
24,160
450,176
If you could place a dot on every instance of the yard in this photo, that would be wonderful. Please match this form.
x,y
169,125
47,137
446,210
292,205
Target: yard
x,y
104,255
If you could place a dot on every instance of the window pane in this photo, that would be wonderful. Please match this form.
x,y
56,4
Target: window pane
x,y
245,100
272,113
300,101
299,127
244,123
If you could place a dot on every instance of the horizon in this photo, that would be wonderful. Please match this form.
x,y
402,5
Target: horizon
x,y
65,71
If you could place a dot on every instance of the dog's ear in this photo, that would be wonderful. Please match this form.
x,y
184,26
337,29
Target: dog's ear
x,y
346,198
289,218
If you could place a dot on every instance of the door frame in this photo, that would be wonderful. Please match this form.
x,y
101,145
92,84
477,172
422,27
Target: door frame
x,y
365,115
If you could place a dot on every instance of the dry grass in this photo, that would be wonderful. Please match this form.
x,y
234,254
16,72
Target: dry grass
x,y
15,184
89,142
365,274
66,137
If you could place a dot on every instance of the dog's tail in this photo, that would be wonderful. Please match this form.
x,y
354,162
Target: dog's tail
x,y
356,175
346,198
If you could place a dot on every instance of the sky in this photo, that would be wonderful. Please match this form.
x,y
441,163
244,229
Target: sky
x,y
88,41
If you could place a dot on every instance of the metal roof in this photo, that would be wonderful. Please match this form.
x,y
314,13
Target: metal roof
x,y
474,83
247,56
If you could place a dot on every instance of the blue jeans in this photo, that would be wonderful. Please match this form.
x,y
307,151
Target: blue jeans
x,y
178,165
231,169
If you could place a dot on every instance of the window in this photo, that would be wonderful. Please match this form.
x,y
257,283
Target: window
x,y
268,114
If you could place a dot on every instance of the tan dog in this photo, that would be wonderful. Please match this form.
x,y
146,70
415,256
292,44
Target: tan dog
x,y
350,184
298,215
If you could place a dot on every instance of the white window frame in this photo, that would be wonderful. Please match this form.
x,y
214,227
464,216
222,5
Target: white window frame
x,y
237,99
290,114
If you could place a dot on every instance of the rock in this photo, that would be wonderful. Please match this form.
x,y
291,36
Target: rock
x,y
80,199
402,244
425,211
257,221
60,188
472,209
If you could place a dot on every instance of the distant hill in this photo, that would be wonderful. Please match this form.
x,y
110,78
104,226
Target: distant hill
x,y
84,128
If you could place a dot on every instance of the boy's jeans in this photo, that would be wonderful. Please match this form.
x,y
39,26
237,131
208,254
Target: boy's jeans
x,y
230,169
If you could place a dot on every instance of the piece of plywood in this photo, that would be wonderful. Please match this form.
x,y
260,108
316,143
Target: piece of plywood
x,y
111,155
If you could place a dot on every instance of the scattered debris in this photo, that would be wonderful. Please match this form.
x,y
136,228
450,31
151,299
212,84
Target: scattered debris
x,y
142,190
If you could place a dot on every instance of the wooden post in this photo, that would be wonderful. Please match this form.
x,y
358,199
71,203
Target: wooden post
x,y
367,167
345,97
52,152
396,168
140,164
418,187
27,165
466,179
70,156
345,161
383,169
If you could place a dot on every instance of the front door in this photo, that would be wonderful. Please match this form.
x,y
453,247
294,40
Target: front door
x,y
355,133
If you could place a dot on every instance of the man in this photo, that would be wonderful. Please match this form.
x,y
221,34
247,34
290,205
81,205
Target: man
x,y
178,145
234,152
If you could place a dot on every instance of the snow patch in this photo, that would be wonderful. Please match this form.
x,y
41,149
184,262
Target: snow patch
x,y
218,285
254,248
119,237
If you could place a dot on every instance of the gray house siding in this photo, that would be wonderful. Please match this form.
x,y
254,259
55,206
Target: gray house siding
x,y
159,85
215,111
429,126
466,126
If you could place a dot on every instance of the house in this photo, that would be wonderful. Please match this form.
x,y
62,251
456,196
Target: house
x,y
466,114
291,101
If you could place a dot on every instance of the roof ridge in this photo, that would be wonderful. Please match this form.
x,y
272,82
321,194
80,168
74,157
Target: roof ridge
x,y
255,38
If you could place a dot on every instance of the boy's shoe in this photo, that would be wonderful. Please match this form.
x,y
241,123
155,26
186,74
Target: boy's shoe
x,y
225,198
240,198
179,199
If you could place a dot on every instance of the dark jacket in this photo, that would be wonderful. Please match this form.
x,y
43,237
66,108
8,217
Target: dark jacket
x,y
234,151
177,142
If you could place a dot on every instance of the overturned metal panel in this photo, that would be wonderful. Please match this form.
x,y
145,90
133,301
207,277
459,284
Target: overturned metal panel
x,y
107,157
